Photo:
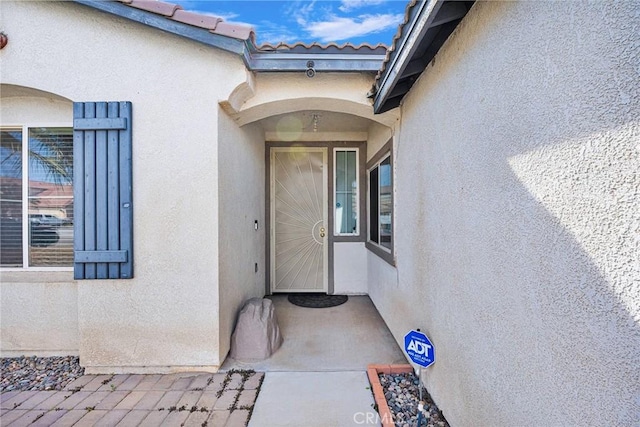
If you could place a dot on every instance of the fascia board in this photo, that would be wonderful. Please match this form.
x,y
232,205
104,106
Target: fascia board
x,y
265,62
201,35
405,49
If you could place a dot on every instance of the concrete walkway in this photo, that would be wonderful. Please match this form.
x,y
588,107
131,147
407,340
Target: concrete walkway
x,y
223,399
318,377
322,399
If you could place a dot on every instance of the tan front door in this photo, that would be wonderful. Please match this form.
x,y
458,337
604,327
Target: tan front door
x,y
299,219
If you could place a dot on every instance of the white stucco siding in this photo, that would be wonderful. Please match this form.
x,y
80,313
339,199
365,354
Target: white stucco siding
x,y
518,216
39,314
39,110
167,316
350,268
279,93
378,136
242,202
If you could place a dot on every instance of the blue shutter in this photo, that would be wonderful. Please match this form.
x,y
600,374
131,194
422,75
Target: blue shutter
x,y
102,190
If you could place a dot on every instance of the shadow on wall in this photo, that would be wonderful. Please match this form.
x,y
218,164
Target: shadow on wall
x,y
525,252
545,272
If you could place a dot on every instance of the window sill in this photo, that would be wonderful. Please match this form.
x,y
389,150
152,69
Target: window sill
x,y
386,256
31,276
346,238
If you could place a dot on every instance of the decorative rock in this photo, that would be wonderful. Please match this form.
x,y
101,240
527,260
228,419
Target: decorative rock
x,y
402,394
39,373
257,335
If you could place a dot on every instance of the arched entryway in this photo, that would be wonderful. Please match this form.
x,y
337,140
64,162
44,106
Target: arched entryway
x,y
318,135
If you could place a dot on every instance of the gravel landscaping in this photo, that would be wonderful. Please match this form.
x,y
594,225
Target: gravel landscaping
x,y
38,373
403,395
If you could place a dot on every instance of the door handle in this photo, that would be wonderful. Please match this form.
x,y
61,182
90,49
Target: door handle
x,y
322,230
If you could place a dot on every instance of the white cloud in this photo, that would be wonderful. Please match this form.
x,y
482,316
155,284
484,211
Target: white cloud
x,y
197,7
271,32
226,16
300,10
349,5
341,28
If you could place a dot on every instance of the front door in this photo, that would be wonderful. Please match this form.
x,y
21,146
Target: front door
x,y
299,255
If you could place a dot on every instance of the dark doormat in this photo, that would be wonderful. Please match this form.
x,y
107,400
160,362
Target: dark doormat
x,y
317,300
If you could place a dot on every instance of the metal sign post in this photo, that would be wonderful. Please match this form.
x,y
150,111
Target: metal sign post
x,y
421,352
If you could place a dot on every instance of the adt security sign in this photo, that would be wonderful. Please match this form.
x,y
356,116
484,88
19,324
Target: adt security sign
x,y
419,348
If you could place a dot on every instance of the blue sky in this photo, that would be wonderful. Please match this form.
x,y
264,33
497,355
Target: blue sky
x,y
324,21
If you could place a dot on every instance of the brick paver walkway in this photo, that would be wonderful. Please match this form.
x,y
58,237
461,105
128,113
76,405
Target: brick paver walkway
x,y
209,400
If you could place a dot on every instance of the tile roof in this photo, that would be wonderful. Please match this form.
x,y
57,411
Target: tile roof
x,y
315,47
241,39
175,12
397,36
217,25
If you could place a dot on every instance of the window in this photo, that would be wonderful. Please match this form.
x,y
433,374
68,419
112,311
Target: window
x,y
380,172
36,194
346,184
66,194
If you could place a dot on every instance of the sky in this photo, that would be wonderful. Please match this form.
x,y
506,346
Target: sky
x,y
324,21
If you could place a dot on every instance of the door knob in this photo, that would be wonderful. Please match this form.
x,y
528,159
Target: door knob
x,y
322,231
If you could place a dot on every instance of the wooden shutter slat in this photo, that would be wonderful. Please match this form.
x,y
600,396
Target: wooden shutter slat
x,y
113,185
90,189
103,241
100,123
101,257
78,190
126,184
102,224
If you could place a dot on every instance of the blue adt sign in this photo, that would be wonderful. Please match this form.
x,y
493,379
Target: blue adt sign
x,y
419,349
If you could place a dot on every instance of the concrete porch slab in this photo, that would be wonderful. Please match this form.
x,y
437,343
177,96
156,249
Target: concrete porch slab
x,y
344,338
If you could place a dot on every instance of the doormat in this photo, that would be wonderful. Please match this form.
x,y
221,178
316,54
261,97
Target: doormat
x,y
317,300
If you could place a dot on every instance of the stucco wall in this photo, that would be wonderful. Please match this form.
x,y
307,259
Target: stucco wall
x,y
518,216
38,110
379,135
278,93
167,316
241,189
39,314
350,268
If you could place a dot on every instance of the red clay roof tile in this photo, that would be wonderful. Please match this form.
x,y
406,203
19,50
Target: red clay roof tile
x,y
314,47
396,37
214,24
158,7
233,30
197,20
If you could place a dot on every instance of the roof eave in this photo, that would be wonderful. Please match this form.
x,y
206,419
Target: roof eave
x,y
417,27
253,57
430,14
201,35
319,62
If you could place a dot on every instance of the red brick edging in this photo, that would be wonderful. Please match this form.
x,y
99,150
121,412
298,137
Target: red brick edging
x,y
378,394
